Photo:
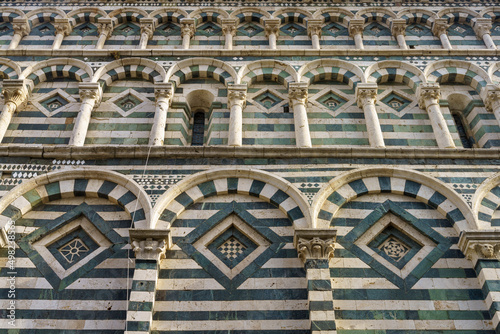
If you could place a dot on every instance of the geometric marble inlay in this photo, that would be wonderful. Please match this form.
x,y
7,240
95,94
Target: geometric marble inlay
x,y
267,99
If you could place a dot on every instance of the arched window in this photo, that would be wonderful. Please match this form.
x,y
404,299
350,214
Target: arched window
x,y
198,129
462,132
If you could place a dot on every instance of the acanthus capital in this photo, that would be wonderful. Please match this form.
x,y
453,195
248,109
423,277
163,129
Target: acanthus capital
x,y
315,243
150,244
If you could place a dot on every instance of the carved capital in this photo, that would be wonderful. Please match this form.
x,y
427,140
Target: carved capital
x,y
480,245
187,27
90,90
164,91
482,26
428,93
356,27
62,27
314,27
148,29
315,243
272,26
15,91
237,95
398,27
366,93
229,26
105,26
297,93
150,244
492,100
21,26
440,27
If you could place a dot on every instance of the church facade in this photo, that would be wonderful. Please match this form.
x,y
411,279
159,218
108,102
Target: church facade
x,y
264,168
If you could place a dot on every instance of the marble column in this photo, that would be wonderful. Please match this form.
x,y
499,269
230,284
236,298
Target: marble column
x,y
15,94
164,93
272,28
429,94
315,248
482,248
440,29
492,101
147,29
366,96
21,29
398,29
228,30
90,96
297,94
149,247
105,28
63,29
236,99
482,28
356,27
187,32
314,27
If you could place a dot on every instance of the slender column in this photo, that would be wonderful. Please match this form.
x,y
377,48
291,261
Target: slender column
x,y
105,28
163,94
429,94
315,248
15,94
440,29
187,32
398,28
297,94
147,29
314,27
366,96
63,28
90,95
21,29
482,27
236,99
229,30
483,249
492,101
271,27
356,27
149,247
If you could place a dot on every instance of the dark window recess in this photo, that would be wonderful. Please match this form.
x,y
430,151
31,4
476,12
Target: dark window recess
x,y
286,109
466,142
198,129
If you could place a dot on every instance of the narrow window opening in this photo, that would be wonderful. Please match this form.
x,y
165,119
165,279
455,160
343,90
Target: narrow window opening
x,y
286,109
462,132
198,129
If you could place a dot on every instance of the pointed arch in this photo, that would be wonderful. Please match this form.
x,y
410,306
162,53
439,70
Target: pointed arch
x,y
395,71
165,15
85,14
339,15
457,71
426,189
486,201
129,68
458,15
58,68
201,68
209,14
44,14
331,69
250,14
378,14
9,69
253,182
267,70
418,16
127,14
90,182
292,14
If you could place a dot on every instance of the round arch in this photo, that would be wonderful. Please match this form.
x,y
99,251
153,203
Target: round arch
x,y
337,14
9,69
353,184
210,14
486,201
414,15
127,14
292,14
264,185
201,67
331,69
79,15
378,14
458,15
250,14
50,69
90,182
395,71
165,15
267,70
490,12
8,13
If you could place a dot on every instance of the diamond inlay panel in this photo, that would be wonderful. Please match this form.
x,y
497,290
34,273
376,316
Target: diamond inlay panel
x,y
232,248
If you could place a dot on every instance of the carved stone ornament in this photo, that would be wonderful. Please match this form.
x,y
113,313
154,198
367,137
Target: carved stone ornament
x,y
62,27
14,91
366,93
271,26
105,29
147,29
237,96
315,243
477,245
428,93
356,27
21,27
150,244
314,30
164,91
483,26
440,27
297,93
398,28
492,100
90,90
187,27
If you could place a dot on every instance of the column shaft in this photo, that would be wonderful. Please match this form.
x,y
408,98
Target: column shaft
x,y
439,126
402,42
272,41
144,41
302,134
57,41
101,41
228,44
373,125
5,117
358,41
82,122
186,40
488,41
15,41
236,126
315,41
157,136
445,41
